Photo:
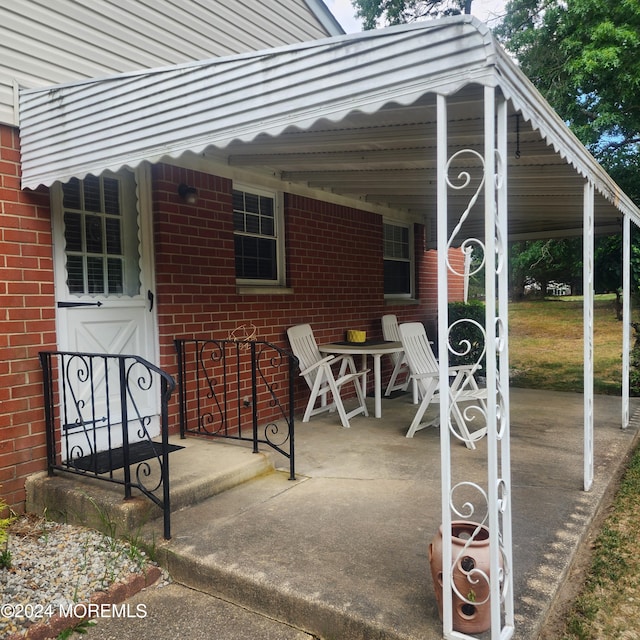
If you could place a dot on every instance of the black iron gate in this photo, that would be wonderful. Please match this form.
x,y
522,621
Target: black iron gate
x,y
242,390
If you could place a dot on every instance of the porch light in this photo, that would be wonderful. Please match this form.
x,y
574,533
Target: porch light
x,y
187,193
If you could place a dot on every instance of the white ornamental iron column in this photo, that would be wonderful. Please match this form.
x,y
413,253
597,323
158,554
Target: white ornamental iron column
x,y
626,316
588,287
485,501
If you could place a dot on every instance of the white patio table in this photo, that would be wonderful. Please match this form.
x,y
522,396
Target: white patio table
x,y
376,349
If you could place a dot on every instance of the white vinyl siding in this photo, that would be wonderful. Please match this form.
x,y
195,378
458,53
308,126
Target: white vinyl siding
x,y
44,43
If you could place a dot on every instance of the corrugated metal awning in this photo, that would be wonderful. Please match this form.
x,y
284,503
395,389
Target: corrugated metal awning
x,y
352,114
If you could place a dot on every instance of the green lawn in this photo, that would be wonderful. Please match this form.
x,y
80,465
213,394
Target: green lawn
x,y
546,352
546,344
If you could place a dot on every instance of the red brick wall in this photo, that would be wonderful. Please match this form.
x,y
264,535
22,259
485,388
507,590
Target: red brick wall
x,y
430,274
27,322
334,269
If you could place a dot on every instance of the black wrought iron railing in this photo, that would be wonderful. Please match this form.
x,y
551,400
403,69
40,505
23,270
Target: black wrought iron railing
x,y
241,390
107,418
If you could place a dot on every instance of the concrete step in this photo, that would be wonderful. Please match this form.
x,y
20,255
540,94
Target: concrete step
x,y
200,470
311,554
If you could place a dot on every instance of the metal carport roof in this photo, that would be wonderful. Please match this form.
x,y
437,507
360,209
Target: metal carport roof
x,y
352,115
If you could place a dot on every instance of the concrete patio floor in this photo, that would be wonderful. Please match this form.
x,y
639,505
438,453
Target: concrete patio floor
x,y
342,552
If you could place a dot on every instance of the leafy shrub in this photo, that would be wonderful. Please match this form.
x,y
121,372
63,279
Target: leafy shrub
x,y
5,554
465,336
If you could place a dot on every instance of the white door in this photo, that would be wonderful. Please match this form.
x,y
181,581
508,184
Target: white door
x,y
104,284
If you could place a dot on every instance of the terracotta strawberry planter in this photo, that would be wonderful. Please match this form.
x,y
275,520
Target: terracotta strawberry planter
x,y
471,595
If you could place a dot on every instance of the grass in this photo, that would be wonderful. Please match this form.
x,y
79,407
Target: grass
x,y
546,352
609,601
546,345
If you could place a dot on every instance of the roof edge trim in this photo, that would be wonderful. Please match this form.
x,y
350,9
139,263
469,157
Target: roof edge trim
x,y
325,17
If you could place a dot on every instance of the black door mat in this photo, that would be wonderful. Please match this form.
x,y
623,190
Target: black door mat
x,y
106,461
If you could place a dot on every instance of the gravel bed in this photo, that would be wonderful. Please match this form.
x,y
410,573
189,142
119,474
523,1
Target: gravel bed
x,y
56,566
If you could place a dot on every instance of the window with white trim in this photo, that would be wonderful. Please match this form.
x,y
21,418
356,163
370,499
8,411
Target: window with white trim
x,y
398,260
258,227
100,223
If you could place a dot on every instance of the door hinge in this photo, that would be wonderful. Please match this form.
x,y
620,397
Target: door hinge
x,y
63,305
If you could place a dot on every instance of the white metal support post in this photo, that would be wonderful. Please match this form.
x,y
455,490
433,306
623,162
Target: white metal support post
x,y
486,506
497,358
503,422
587,283
491,298
626,316
443,330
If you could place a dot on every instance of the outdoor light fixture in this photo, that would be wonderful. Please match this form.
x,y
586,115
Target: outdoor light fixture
x,y
188,194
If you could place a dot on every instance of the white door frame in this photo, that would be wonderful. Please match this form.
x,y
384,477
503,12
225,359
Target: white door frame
x,y
116,324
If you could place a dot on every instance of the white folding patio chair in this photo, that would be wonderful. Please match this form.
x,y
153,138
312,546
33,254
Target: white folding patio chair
x,y
321,378
461,386
390,332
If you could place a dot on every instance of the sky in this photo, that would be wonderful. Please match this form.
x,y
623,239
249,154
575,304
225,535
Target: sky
x,y
485,10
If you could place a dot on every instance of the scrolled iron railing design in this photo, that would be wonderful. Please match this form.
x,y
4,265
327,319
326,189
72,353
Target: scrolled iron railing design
x,y
463,565
485,513
464,180
99,412
464,387
238,389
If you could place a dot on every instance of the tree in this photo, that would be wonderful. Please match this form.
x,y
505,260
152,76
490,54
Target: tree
x,y
391,12
584,56
544,261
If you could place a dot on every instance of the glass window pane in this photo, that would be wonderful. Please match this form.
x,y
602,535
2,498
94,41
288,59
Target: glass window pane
x,y
239,242
267,227
256,254
396,241
266,260
103,237
75,273
115,276
252,224
238,221
266,206
238,200
397,277
251,202
255,258
93,234
246,251
92,193
71,194
95,275
73,231
111,196
114,236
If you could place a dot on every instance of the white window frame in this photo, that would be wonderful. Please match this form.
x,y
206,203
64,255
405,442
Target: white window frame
x,y
278,209
128,229
410,295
